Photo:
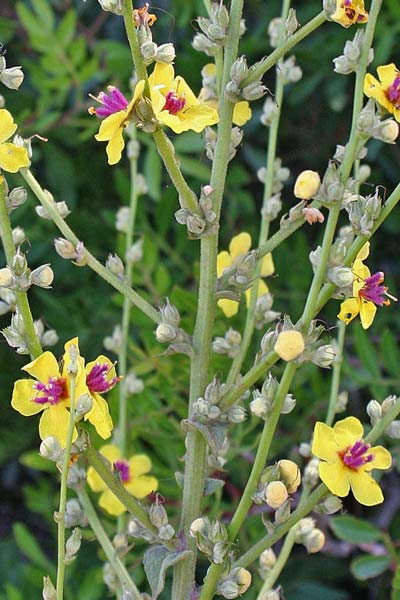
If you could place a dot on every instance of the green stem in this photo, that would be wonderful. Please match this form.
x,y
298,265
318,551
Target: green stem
x,y
92,262
282,559
24,310
336,371
260,68
380,426
72,372
109,550
131,34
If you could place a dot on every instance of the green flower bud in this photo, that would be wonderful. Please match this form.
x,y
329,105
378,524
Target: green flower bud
x,y
254,91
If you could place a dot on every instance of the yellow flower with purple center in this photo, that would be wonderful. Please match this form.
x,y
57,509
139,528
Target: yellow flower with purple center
x,y
368,293
349,12
239,246
133,475
115,110
100,378
347,460
175,105
386,91
12,157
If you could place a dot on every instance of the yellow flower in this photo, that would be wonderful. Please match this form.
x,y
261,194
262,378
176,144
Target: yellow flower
x,y
239,246
349,12
347,460
50,393
115,121
174,103
100,378
133,477
368,293
386,91
12,158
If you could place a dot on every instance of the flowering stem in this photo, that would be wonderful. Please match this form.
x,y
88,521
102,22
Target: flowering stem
x,y
260,68
92,262
72,372
381,425
24,310
282,559
126,582
336,371
131,34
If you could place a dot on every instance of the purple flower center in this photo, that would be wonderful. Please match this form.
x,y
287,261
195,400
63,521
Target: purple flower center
x,y
123,467
373,291
356,456
173,102
111,103
393,92
97,380
51,392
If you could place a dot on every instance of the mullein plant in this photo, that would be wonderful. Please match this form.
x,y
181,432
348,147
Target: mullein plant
x,y
69,393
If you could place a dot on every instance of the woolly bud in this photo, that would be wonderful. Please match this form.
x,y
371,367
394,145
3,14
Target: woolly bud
x,y
165,333
43,276
289,345
114,6
199,526
83,405
260,407
157,514
307,185
275,494
288,404
329,506
239,70
290,474
374,411
324,356
165,53
16,198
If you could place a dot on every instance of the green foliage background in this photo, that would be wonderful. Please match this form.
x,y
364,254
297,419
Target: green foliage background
x,y
69,49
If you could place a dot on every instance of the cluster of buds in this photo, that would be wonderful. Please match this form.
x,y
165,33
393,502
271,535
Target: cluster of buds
x,y
12,77
14,198
280,176
263,400
342,277
279,31
19,277
169,332
363,211
270,110
234,583
199,225
263,315
347,62
229,344
370,124
214,30
211,140
312,538
151,52
70,251
159,518
47,337
113,342
74,514
61,208
236,90
206,409
289,71
275,485
72,545
238,277
377,411
211,538
331,190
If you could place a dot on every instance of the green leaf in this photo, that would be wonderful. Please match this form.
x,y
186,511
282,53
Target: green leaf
x,y
30,547
44,13
38,34
390,352
355,531
367,567
156,561
33,460
66,29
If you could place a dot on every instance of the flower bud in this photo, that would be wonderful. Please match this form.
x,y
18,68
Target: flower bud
x,y
51,448
199,525
260,407
305,527
341,403
270,110
311,472
329,506
157,514
388,131
114,6
132,384
148,51
388,403
341,276
165,53
324,356
134,254
201,43
73,545
305,449
43,276
290,475
275,494
243,578
236,414
84,405
19,264
74,514
49,591
64,248
122,219
274,31
16,198
166,532
307,185
289,345
239,70
6,277
115,265
315,541
393,430
254,91
288,404
267,559
374,411
12,77
313,215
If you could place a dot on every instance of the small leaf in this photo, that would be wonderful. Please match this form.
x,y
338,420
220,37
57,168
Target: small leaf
x,y
214,433
367,567
156,561
33,460
66,29
355,531
29,546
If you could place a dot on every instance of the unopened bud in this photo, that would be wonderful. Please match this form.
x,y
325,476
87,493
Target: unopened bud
x,y
311,472
393,430
12,77
73,545
51,448
275,494
64,248
165,53
199,525
134,254
267,559
329,506
305,449
49,591
289,345
307,185
16,198
158,515
374,410
288,404
239,70
388,131
84,405
6,277
290,474
260,407
114,6
115,265
315,541
254,91
324,356
341,276
148,51
43,276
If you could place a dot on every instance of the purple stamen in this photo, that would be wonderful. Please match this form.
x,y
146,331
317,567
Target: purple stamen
x,y
123,467
355,456
111,103
393,93
51,392
373,291
173,102
97,380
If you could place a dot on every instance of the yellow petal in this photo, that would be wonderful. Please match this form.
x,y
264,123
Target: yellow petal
x,y
103,360
162,75
195,118
382,458
54,422
7,125
360,272
111,452
110,126
111,504
224,261
43,368
229,307
22,398
335,478
13,158
95,481
139,464
114,148
324,443
240,244
365,489
142,486
100,416
261,290
349,309
364,252
241,113
182,89
373,89
209,70
367,313
267,265
348,431
387,74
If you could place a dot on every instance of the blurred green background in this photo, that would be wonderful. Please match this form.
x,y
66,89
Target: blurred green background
x,y
69,49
